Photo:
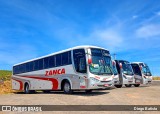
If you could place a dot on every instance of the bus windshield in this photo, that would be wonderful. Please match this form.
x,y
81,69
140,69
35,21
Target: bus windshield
x,y
127,68
145,70
114,70
101,62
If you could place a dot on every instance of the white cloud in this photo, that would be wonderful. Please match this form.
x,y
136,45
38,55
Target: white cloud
x,y
149,30
109,37
158,13
134,16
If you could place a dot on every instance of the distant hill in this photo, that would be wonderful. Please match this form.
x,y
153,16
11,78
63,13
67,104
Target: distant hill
x,y
5,74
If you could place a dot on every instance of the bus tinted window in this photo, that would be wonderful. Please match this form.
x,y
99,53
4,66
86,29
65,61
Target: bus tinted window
x,y
27,67
51,61
46,60
69,58
40,64
58,60
44,63
79,60
65,58
31,66
35,65
15,70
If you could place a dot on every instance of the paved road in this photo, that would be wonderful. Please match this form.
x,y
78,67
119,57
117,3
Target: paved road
x,y
142,95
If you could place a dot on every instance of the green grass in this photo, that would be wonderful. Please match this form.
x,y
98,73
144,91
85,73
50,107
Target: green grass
x,y
5,75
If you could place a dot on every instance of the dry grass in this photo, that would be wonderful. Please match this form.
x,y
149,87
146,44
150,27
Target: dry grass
x,y
156,78
6,87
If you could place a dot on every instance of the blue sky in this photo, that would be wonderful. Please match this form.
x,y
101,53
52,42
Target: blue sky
x,y
33,28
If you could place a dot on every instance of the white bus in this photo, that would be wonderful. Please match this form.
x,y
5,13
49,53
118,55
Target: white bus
x,y
125,72
142,73
78,68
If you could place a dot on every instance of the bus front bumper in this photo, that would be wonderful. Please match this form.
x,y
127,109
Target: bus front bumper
x,y
102,84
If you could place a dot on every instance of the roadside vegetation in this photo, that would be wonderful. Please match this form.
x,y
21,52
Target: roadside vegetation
x,y
5,81
156,78
5,75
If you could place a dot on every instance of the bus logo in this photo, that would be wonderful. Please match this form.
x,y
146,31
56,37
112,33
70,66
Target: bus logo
x,y
55,72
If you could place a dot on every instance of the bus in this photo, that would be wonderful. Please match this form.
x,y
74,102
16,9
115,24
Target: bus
x,y
78,68
142,73
125,72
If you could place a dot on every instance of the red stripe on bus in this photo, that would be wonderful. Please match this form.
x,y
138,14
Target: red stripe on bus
x,y
82,86
54,81
20,82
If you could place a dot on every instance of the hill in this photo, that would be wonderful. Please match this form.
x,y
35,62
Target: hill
x,y
5,75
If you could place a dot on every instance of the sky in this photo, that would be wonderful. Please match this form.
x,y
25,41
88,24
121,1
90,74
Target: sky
x,y
34,28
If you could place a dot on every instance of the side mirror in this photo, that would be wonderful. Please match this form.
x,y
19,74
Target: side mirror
x,y
113,63
120,65
89,61
141,67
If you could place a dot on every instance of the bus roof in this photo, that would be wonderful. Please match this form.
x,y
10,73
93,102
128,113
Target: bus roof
x,y
123,61
139,63
58,52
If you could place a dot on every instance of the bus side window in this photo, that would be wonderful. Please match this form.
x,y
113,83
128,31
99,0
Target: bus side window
x,y
79,60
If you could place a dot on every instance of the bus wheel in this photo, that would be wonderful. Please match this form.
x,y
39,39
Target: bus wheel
x,y
118,86
128,85
88,91
67,88
26,89
136,85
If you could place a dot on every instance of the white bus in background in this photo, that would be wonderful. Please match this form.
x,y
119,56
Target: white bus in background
x,y
142,73
125,72
78,68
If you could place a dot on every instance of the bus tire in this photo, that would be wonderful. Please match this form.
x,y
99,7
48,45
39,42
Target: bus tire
x,y
88,91
136,85
26,88
118,86
128,85
67,88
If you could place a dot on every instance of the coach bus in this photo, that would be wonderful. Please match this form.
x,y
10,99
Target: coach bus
x,y
125,72
142,73
78,68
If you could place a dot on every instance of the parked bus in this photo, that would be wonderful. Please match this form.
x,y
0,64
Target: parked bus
x,y
125,72
78,68
142,73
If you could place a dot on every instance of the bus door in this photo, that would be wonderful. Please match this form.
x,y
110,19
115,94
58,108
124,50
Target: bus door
x,y
80,67
122,78
137,73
